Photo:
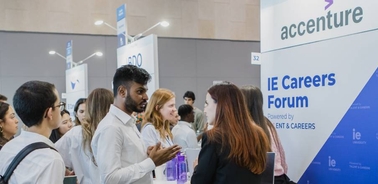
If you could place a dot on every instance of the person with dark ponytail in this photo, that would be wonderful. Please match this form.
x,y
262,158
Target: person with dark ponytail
x,y
79,111
64,127
3,98
8,123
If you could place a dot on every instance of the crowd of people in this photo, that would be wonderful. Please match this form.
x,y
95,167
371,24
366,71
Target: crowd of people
x,y
122,136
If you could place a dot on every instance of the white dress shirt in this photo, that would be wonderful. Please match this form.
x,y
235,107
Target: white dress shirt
x,y
119,151
40,166
71,148
184,136
151,137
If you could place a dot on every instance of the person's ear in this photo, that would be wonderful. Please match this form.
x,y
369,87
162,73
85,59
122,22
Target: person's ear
x,y
122,91
157,107
49,113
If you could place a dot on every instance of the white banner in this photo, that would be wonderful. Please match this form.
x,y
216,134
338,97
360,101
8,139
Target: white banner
x,y
319,80
76,85
144,54
288,23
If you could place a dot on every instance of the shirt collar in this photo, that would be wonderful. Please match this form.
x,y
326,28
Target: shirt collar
x,y
122,116
35,136
185,123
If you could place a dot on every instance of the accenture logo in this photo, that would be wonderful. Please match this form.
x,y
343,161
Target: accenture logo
x,y
323,23
330,2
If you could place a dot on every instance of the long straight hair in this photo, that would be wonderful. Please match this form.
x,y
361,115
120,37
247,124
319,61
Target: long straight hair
x,y
273,131
234,129
97,106
152,114
254,100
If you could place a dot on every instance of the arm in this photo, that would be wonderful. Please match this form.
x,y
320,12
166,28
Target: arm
x,y
205,171
63,146
200,121
108,157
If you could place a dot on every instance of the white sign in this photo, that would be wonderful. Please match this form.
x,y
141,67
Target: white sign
x,y
293,22
319,79
76,85
255,58
143,53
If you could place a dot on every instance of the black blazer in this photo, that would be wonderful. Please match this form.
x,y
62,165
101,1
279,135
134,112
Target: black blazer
x,y
214,167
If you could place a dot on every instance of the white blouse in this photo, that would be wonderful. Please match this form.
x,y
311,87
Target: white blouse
x,y
151,137
75,157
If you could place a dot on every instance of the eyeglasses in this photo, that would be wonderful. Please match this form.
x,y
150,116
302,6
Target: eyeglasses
x,y
61,106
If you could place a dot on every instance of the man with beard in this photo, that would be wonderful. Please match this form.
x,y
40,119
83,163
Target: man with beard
x,y
117,146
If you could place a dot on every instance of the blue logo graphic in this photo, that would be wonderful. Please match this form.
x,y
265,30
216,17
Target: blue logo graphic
x,y
121,40
352,158
73,84
121,12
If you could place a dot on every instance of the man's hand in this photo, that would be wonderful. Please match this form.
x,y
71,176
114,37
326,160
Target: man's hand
x,y
69,173
162,155
149,150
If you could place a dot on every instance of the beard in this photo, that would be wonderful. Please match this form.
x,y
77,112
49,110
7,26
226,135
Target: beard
x,y
132,105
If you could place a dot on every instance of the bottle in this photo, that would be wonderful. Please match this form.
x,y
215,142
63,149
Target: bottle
x,y
171,170
182,169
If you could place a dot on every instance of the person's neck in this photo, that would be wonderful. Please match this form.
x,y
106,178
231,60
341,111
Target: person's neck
x,y
7,136
184,120
41,129
121,106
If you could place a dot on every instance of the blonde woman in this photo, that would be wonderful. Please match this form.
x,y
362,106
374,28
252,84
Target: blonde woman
x,y
75,145
160,111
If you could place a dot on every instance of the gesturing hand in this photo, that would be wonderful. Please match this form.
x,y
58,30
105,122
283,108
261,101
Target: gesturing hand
x,y
161,155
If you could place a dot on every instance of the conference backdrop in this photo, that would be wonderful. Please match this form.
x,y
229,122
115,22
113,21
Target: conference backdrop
x,y
320,82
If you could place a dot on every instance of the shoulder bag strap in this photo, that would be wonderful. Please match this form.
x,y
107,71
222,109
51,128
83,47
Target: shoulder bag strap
x,y
21,155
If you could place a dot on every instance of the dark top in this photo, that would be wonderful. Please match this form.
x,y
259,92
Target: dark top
x,y
55,136
214,167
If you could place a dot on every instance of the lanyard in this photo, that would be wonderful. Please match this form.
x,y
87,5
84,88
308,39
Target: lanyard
x,y
168,140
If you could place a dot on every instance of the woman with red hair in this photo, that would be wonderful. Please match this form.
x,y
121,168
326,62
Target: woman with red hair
x,y
235,149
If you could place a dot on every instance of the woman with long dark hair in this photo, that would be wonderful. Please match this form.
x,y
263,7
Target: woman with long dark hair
x,y
254,99
235,149
79,111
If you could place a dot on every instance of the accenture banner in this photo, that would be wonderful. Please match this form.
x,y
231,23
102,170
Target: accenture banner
x,y
320,85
